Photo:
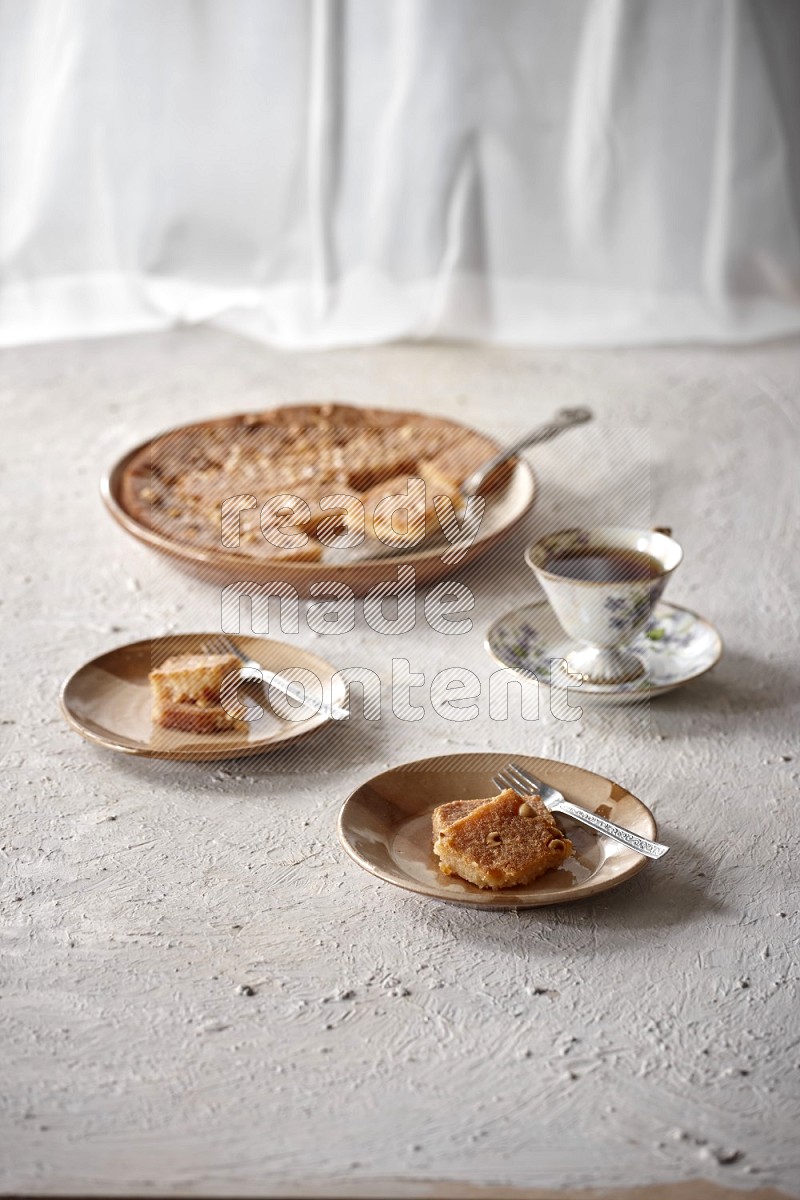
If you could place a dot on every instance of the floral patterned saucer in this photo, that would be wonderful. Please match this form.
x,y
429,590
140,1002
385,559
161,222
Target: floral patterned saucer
x,y
676,646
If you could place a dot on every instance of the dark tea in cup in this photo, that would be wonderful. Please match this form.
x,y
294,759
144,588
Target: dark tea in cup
x,y
604,564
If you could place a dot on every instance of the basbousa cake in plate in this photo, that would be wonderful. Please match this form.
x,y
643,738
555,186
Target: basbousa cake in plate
x,y
177,483
501,842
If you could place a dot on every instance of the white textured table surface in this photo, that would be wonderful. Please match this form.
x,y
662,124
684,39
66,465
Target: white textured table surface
x,y
648,1035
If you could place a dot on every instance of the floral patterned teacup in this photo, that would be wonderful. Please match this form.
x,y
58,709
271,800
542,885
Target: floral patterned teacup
x,y
603,615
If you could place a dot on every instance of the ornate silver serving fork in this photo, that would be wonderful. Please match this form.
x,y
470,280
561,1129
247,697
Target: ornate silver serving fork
x,y
525,784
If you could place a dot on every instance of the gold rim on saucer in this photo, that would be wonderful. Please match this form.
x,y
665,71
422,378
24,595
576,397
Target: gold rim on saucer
x,y
385,826
677,647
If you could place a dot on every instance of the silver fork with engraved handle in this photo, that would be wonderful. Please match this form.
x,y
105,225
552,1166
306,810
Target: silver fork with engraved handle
x,y
221,644
525,784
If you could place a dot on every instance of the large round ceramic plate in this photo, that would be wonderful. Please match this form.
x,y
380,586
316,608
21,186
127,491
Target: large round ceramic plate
x,y
676,647
505,508
108,701
385,825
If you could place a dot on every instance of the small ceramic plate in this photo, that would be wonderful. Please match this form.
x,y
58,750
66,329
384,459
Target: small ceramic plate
x,y
108,701
385,825
676,646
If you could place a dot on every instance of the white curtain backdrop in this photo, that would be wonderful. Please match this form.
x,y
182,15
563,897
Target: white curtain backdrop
x,y
328,172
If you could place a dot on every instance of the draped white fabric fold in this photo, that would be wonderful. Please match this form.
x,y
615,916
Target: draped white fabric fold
x,y
328,172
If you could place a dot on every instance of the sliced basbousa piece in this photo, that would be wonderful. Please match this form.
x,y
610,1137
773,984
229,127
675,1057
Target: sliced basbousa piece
x,y
402,510
186,692
190,718
504,841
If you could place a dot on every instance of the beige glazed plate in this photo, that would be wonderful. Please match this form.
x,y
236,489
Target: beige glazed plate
x,y
108,701
385,825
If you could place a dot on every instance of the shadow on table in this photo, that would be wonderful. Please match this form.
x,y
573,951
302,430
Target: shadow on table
x,y
741,687
674,891
669,893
